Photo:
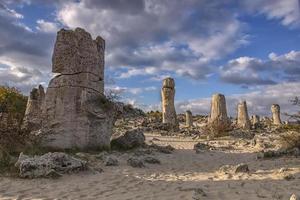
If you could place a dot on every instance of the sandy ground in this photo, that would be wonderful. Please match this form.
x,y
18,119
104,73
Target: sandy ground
x,y
183,174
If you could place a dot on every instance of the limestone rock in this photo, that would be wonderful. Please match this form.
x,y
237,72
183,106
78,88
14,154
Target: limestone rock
x,y
151,160
294,197
188,118
33,114
135,162
276,114
48,164
233,169
131,139
76,112
243,120
218,118
255,121
168,107
111,161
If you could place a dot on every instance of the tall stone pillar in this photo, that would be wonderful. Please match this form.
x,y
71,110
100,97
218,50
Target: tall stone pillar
x,y
218,113
168,107
77,114
188,118
33,114
276,114
243,120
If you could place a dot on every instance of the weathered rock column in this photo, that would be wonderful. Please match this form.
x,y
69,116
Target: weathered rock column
x,y
33,114
243,120
168,107
188,118
77,114
276,114
218,113
255,121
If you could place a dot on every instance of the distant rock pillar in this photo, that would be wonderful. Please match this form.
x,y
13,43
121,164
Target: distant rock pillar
x,y
218,112
189,118
255,121
33,114
243,120
276,114
168,107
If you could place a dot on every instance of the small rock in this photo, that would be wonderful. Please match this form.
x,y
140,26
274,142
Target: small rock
x,y
135,162
294,197
241,168
289,177
163,149
151,160
198,194
111,161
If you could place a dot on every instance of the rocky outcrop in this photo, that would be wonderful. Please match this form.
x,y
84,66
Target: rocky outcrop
x,y
243,120
218,118
168,107
276,114
131,139
188,118
33,114
76,112
48,165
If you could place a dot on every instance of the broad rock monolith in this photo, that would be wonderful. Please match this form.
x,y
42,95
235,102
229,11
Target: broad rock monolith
x,y
275,108
218,113
77,114
243,120
33,114
168,108
188,118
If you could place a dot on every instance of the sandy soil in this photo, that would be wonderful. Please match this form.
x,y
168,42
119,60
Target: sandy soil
x,y
182,175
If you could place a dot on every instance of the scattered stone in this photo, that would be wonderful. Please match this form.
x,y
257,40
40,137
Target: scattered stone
x,y
131,139
200,147
163,149
243,120
168,109
76,114
50,164
135,162
142,152
111,161
289,177
198,194
233,169
151,160
276,114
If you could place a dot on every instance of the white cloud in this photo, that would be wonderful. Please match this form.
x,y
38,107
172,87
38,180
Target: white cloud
x,y
47,27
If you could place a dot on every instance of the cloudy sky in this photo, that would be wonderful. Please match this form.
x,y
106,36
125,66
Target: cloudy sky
x,y
245,49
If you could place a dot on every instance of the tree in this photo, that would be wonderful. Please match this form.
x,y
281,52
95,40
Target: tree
x,y
295,102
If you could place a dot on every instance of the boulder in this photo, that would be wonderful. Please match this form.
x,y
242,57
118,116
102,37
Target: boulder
x,y
135,162
131,139
48,165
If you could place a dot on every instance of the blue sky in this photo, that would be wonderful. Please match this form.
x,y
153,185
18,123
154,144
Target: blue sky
x,y
246,49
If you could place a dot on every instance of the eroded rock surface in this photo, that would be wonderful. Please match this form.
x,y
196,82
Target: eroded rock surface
x,y
48,165
77,114
243,120
276,114
131,139
188,118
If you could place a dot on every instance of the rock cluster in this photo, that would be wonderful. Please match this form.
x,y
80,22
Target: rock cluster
x,y
276,114
243,120
131,139
48,165
76,112
168,108
33,114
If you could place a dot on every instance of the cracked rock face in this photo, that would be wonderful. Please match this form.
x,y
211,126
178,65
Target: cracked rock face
x,y
33,114
243,120
77,114
276,114
168,108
